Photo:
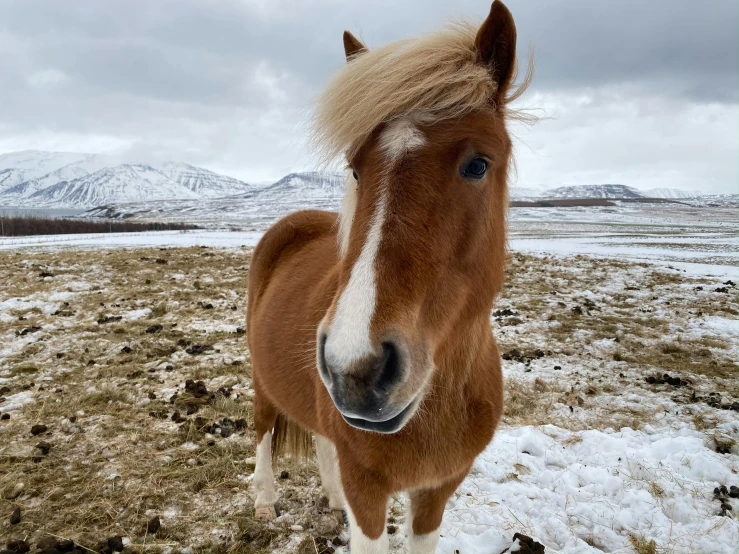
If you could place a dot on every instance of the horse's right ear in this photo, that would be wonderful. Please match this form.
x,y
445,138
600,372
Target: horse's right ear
x,y
496,47
352,46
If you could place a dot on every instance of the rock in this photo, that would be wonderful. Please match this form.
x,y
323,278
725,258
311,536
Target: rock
x,y
666,379
177,418
44,447
18,546
196,349
38,429
240,424
153,525
524,545
126,349
391,529
5,416
109,319
284,475
27,330
557,367
577,310
66,545
153,329
721,289
326,524
734,491
115,543
47,543
196,388
15,517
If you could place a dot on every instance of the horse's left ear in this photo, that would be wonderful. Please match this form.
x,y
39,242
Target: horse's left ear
x,y
496,47
352,46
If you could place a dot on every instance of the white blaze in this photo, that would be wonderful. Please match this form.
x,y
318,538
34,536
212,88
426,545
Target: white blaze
x,y
349,335
346,217
400,137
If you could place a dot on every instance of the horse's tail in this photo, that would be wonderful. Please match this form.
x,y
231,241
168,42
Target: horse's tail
x,y
291,440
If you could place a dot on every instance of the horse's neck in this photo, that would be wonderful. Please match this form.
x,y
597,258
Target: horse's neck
x,y
463,353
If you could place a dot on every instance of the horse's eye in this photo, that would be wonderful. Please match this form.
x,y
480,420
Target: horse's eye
x,y
474,169
356,177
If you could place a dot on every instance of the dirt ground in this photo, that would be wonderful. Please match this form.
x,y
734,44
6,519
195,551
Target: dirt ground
x,y
126,387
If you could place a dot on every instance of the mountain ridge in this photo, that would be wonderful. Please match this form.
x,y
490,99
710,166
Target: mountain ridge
x,y
70,180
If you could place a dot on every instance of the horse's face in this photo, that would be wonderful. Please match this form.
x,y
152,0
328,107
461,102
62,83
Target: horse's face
x,y
422,241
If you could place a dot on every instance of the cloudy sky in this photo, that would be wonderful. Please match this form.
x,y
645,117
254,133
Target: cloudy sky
x,y
634,92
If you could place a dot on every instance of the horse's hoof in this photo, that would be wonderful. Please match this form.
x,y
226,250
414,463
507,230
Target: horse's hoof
x,y
340,516
265,513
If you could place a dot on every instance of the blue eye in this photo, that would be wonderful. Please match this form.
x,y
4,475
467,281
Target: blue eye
x,y
474,169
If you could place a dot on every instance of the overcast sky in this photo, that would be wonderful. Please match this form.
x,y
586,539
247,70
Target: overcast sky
x,y
644,93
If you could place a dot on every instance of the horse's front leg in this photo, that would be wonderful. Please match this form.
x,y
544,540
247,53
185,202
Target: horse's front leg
x,y
366,497
427,509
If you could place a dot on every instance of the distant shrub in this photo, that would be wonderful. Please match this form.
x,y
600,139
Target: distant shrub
x,y
25,226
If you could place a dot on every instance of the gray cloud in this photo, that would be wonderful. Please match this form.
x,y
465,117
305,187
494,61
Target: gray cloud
x,y
640,92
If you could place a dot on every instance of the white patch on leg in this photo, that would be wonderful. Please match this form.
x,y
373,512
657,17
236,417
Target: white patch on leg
x,y
264,479
359,543
328,465
400,137
423,544
348,208
349,336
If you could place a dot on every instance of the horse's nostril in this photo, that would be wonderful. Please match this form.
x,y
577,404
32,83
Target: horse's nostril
x,y
322,365
389,373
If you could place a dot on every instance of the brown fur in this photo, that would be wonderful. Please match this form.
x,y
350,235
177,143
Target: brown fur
x,y
439,267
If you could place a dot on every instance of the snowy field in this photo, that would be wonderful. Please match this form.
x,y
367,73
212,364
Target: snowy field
x,y
599,451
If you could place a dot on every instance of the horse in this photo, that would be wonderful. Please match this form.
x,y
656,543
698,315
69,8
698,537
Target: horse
x,y
370,329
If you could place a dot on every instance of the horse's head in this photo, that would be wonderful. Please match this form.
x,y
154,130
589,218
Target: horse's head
x,y
422,229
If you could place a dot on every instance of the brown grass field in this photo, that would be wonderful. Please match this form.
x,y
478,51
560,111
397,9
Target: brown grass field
x,y
99,347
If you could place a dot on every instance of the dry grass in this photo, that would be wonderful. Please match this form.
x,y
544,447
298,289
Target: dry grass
x,y
112,465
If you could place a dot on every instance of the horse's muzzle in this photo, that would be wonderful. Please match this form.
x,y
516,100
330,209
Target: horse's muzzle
x,y
363,392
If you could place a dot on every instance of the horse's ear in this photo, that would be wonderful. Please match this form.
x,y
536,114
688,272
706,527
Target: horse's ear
x,y
352,46
496,47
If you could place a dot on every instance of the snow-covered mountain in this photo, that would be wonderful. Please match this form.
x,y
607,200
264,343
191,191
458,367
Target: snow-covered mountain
x,y
129,182
71,180
260,206
613,191
670,193
593,191
19,167
203,182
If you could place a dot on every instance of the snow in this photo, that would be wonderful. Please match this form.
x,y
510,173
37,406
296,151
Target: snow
x,y
231,239
586,492
60,179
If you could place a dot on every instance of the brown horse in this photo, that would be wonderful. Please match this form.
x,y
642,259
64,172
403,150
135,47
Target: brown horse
x,y
371,328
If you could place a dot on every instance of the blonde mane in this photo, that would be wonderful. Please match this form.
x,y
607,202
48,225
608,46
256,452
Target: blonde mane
x,y
437,76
